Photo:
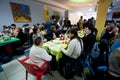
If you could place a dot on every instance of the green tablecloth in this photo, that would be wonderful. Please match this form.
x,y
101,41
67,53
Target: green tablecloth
x,y
4,42
54,47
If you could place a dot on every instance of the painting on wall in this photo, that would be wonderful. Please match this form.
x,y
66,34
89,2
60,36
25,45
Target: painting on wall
x,y
56,15
21,12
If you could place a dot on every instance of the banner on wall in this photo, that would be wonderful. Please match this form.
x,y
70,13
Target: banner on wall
x,y
21,12
46,12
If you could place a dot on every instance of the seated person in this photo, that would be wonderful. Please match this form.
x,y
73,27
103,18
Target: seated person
x,y
18,45
20,35
89,40
39,33
39,55
75,45
108,34
72,54
4,28
51,33
114,65
7,31
13,27
34,35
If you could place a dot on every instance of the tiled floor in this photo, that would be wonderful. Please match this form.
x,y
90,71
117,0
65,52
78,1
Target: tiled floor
x,y
15,71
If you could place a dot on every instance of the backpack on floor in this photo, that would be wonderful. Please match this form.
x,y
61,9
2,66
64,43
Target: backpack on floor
x,y
95,51
5,58
72,67
20,50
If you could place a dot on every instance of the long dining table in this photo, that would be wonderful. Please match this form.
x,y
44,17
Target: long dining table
x,y
54,46
5,44
8,41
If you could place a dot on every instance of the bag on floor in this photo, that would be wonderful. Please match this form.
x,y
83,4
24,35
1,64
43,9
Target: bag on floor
x,y
72,67
95,51
5,58
20,50
88,71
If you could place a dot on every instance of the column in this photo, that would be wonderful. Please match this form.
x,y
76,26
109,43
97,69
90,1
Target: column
x,y
101,16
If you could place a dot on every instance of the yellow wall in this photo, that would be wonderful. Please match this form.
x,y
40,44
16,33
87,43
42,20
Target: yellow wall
x,y
101,16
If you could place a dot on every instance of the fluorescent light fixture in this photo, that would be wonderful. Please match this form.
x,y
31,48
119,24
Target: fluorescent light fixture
x,y
79,0
90,4
90,9
79,13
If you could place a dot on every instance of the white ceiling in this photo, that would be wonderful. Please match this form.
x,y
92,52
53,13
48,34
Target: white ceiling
x,y
85,6
87,9
88,5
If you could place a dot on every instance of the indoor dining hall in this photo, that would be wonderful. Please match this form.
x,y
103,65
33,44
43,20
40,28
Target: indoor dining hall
x,y
59,39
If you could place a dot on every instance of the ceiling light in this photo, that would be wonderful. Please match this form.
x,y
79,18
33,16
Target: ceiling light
x,y
90,9
90,4
79,0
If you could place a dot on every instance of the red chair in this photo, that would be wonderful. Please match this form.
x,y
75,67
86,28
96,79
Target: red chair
x,y
33,69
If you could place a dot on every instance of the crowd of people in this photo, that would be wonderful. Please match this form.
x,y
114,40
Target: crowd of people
x,y
40,33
